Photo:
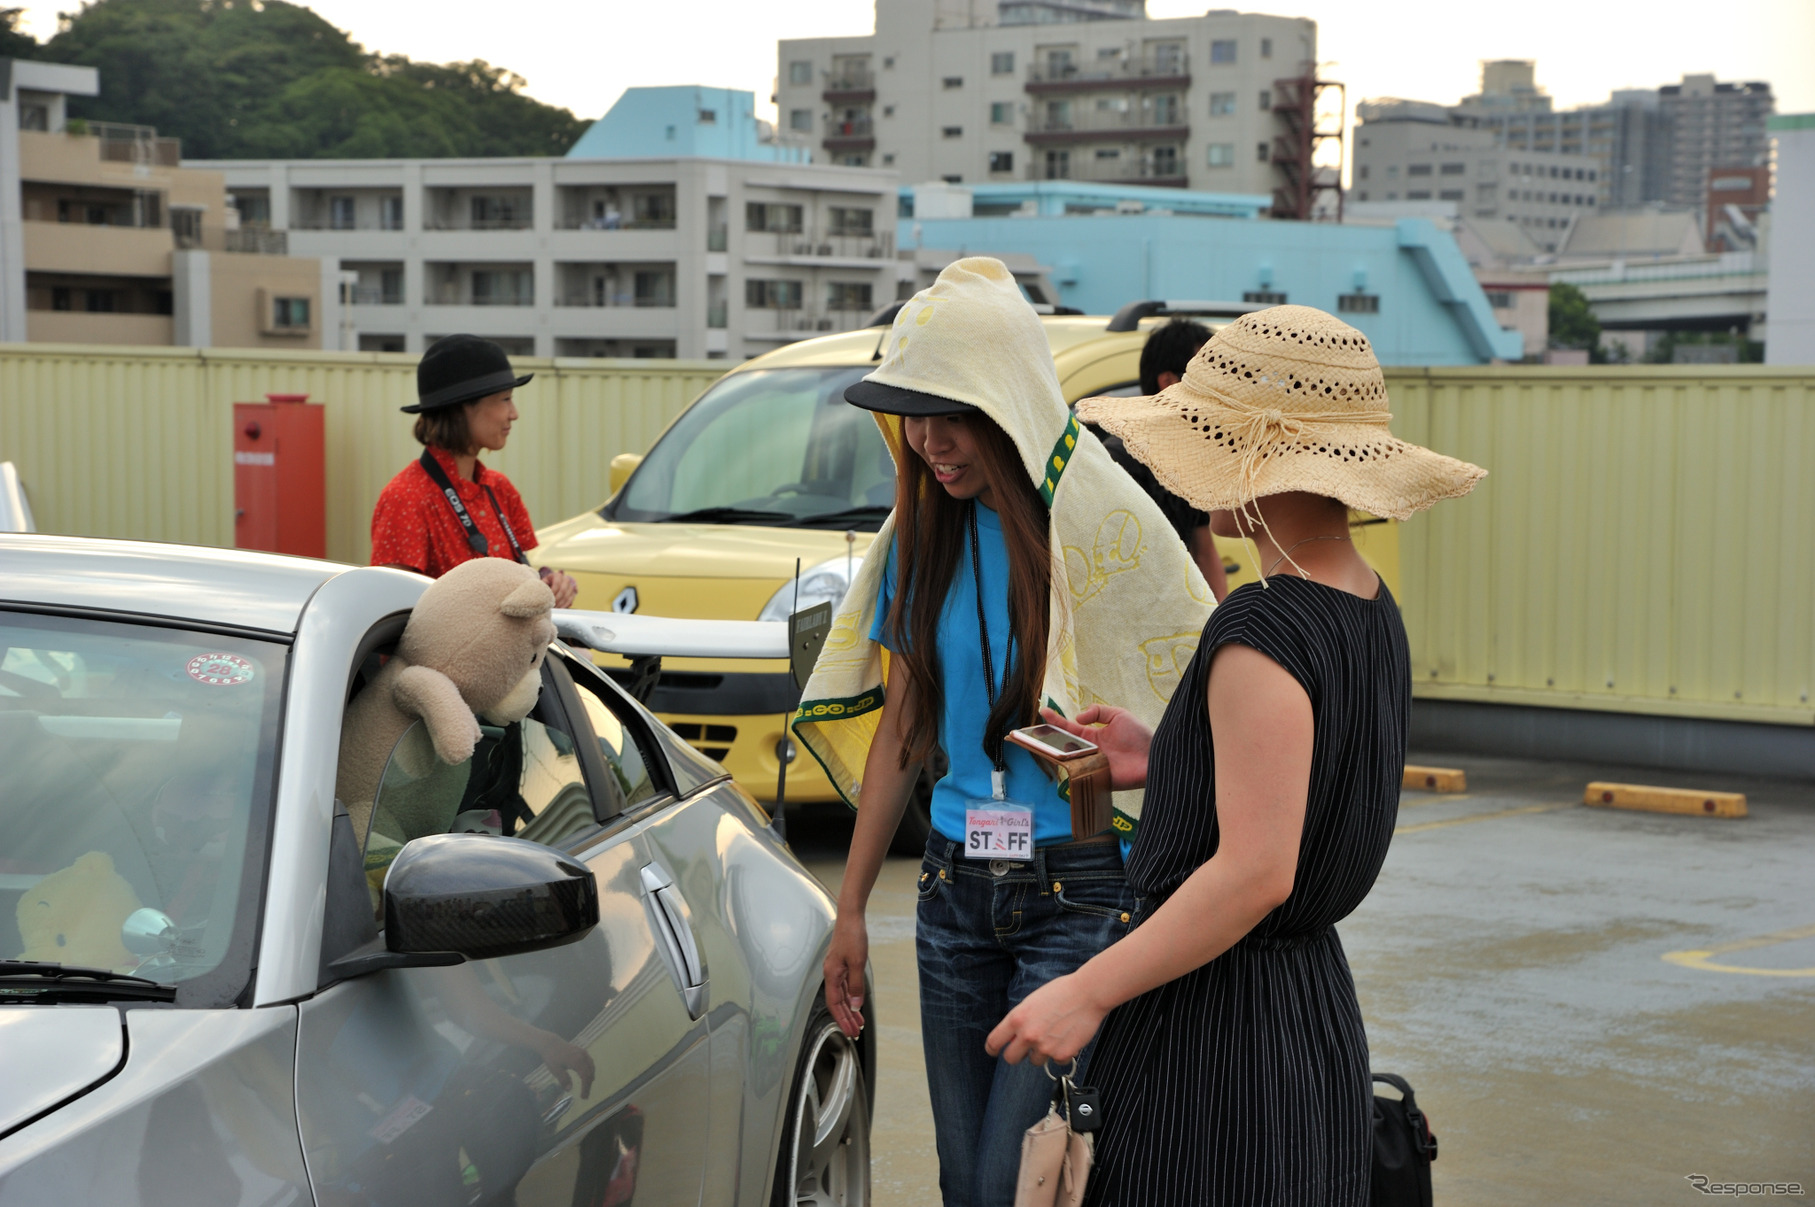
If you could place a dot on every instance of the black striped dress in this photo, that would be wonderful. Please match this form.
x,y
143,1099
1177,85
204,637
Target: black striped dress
x,y
1246,1082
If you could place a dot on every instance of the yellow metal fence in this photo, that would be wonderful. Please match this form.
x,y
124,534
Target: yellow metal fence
x,y
1644,542
138,442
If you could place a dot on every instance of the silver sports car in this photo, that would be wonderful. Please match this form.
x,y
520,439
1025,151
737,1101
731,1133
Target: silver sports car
x,y
599,984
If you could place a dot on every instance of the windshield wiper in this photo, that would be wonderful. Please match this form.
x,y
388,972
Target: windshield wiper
x,y
99,982
870,511
725,515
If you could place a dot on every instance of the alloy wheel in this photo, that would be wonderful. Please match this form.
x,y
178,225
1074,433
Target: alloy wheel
x,y
830,1155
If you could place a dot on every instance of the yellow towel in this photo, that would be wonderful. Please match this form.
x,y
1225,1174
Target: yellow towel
x,y
1128,603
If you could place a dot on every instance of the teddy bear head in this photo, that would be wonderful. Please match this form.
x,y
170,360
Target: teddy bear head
x,y
73,916
485,625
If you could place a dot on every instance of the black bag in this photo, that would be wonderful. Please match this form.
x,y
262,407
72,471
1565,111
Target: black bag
x,y
1403,1149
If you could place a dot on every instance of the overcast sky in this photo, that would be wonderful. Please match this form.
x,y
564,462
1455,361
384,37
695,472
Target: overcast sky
x,y
582,55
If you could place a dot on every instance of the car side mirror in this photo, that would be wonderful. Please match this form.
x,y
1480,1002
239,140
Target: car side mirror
x,y
454,897
622,466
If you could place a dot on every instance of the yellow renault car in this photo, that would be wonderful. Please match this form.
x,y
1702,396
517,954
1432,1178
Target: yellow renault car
x,y
769,469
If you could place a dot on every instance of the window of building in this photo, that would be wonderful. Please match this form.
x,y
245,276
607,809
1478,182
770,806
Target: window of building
x,y
1452,195
1418,195
951,132
1221,154
61,298
1165,162
390,213
888,111
1361,173
1418,169
1002,62
952,179
888,64
1168,58
1108,52
850,220
186,225
708,117
1260,152
1222,51
1059,63
33,116
1358,303
1222,104
1109,152
1001,161
1166,110
888,157
655,288
848,295
1362,195
1454,169
1264,297
952,81
800,119
289,314
772,295
800,73
1058,165
340,213
772,216
1266,48
1392,170
106,301
1001,113
1500,299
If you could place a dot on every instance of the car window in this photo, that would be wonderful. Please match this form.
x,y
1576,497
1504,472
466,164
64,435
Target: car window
x,y
524,780
768,446
620,748
135,788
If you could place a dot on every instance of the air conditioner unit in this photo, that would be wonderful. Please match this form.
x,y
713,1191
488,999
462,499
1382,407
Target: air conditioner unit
x,y
823,325
825,249
803,249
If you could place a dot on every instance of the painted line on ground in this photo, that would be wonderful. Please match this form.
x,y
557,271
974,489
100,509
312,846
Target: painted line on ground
x,y
1462,821
1702,960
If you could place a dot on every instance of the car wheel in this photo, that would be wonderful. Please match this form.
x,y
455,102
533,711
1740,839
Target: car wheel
x,y
916,821
825,1154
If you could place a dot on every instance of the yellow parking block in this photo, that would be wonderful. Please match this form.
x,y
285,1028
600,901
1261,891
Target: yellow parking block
x,y
1435,779
1686,801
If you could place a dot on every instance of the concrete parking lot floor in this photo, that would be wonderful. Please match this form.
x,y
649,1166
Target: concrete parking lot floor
x,y
1530,966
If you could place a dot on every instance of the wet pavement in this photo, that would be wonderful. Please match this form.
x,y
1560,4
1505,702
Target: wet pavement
x,y
1591,1004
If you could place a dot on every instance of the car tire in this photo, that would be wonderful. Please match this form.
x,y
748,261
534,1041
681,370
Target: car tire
x,y
825,1146
916,821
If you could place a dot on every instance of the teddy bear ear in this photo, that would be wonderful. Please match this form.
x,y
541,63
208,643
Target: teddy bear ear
x,y
531,599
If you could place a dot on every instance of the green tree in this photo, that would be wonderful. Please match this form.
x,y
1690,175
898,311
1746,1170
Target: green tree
x,y
15,43
265,78
1572,322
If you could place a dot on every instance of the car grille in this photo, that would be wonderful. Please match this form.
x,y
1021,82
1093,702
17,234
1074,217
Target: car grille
x,y
713,741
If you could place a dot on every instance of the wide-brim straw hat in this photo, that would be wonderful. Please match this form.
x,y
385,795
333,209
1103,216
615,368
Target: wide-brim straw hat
x,y
1283,399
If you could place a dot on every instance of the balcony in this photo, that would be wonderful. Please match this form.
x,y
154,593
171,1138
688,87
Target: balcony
x,y
598,285
121,143
1146,123
374,295
142,251
850,86
1154,71
779,246
454,284
616,207
855,134
1158,172
256,240
500,209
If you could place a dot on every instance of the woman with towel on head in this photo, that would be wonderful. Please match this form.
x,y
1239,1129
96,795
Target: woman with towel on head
x,y
1020,567
1232,1063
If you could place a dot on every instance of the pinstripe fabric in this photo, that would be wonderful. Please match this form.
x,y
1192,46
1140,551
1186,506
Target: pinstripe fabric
x,y
1246,1082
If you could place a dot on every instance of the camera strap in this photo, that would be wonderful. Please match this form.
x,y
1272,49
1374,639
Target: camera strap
x,y
475,539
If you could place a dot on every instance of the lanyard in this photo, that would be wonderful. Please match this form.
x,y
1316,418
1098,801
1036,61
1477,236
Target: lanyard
x,y
475,540
999,767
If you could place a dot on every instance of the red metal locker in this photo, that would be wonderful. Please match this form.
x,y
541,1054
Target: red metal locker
x,y
279,476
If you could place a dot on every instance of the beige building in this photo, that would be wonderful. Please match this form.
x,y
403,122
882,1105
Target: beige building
x,y
975,91
106,239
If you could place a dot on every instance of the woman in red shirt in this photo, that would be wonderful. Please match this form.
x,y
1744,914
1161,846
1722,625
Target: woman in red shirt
x,y
447,508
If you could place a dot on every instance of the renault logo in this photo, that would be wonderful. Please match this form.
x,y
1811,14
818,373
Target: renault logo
x,y
626,601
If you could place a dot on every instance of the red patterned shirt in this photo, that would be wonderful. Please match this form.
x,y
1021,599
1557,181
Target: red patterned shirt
x,y
413,524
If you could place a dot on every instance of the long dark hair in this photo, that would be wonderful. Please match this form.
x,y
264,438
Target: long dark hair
x,y
931,530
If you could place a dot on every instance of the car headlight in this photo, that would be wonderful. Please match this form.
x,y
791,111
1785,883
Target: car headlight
x,y
824,583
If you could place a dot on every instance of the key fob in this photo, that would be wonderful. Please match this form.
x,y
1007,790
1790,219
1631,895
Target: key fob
x,y
1086,1108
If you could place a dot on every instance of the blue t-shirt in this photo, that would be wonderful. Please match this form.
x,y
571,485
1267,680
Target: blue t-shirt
x,y
965,709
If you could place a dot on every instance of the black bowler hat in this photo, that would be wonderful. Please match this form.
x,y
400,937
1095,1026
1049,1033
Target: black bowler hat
x,y
461,368
899,400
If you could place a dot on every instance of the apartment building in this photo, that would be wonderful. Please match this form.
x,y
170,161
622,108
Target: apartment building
x,y
1409,151
687,255
981,91
1713,126
106,239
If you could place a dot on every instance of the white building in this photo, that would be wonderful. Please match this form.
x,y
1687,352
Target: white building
x,y
687,257
1792,244
1408,151
975,91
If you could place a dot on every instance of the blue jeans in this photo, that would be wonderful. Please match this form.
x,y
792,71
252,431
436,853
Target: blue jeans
x,y
989,934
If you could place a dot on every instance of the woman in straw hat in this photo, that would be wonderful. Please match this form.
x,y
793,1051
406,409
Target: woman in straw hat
x,y
1232,1062
1020,566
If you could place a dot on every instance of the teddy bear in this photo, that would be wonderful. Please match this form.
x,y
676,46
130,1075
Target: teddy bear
x,y
73,916
473,648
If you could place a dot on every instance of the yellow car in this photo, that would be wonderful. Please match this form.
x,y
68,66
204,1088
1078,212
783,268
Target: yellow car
x,y
768,469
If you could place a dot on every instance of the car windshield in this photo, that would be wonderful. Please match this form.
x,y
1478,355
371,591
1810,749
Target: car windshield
x,y
769,446
135,790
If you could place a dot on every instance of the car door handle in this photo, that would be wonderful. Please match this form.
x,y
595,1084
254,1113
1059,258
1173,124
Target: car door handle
x,y
676,937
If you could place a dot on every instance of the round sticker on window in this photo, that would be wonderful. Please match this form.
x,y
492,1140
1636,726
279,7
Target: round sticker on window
x,y
220,670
